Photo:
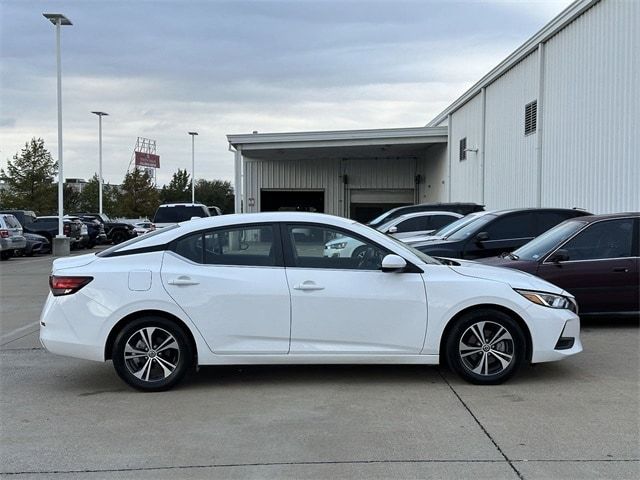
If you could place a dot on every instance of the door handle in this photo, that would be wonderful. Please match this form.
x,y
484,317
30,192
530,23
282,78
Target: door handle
x,y
308,286
621,269
182,281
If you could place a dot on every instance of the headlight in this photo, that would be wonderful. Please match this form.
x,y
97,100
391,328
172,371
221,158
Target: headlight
x,y
547,299
338,246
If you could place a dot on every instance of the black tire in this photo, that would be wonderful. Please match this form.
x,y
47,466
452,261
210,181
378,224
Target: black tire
x,y
480,357
152,365
118,237
358,251
6,255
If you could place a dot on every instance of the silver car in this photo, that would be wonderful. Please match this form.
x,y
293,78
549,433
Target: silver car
x,y
11,238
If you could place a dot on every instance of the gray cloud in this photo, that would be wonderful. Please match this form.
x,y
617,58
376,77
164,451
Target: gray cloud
x,y
162,68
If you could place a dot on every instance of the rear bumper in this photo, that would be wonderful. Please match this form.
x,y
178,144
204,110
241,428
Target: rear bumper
x,y
13,243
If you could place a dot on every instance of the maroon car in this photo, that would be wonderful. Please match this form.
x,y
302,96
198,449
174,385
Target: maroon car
x,y
596,258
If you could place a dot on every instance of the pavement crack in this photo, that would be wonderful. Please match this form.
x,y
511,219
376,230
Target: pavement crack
x,y
486,432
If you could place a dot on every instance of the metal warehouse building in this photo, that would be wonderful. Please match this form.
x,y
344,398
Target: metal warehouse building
x,y
556,123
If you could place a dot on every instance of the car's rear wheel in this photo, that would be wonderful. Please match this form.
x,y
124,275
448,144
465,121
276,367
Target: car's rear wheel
x,y
486,347
152,354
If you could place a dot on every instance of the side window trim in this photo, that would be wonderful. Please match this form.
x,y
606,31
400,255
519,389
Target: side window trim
x,y
277,243
289,257
634,238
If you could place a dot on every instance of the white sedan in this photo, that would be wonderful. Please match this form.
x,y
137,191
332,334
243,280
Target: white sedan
x,y
243,289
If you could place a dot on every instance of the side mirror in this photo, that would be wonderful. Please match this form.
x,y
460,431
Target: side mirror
x,y
560,255
392,230
482,237
393,263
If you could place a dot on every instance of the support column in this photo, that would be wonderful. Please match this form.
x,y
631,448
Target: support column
x,y
539,126
238,180
483,143
449,150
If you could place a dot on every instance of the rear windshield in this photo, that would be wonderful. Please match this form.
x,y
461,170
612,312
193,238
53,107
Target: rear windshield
x,y
134,240
11,221
180,213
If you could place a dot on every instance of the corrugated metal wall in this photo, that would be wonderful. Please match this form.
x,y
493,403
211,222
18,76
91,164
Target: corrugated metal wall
x,y
382,173
466,174
510,156
589,118
310,174
591,122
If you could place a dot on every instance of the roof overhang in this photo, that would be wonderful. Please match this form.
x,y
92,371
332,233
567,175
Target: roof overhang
x,y
354,144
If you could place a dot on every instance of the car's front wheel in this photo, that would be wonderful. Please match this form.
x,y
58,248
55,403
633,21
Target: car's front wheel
x,y
152,354
486,347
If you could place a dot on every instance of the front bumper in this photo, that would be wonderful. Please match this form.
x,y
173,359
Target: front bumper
x,y
550,331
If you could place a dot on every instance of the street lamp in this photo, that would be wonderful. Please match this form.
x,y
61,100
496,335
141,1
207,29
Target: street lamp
x,y
63,243
193,167
100,115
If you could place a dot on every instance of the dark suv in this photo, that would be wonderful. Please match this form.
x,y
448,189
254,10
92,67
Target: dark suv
x,y
117,232
461,208
497,232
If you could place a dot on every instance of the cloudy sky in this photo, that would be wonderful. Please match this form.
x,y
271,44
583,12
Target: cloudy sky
x,y
162,68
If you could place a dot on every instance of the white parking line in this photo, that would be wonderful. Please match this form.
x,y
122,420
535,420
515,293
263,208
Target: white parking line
x,y
7,336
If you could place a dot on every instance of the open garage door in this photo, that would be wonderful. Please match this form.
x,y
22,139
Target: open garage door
x,y
292,201
365,205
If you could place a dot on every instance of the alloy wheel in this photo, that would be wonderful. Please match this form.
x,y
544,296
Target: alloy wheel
x,y
486,348
151,354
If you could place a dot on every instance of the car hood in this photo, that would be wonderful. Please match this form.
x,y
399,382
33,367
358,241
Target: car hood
x,y
513,278
72,262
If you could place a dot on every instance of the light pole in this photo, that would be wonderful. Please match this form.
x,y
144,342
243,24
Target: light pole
x,y
193,167
100,115
63,243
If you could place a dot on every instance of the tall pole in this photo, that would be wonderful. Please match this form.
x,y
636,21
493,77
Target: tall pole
x,y
60,162
193,166
100,180
58,20
193,169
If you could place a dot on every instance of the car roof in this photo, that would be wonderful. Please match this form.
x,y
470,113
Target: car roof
x,y
579,211
606,216
180,204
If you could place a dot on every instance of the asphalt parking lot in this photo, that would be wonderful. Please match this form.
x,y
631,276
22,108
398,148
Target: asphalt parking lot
x,y
67,418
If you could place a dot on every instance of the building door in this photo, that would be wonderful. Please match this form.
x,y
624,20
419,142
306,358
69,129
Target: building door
x,y
292,201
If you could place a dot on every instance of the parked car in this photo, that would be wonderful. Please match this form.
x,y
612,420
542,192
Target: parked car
x,y
497,232
595,258
96,233
117,232
418,223
47,226
25,217
294,305
172,213
143,227
11,238
461,208
445,231
35,244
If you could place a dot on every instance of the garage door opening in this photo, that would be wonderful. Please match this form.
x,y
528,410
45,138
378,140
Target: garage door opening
x,y
291,201
365,205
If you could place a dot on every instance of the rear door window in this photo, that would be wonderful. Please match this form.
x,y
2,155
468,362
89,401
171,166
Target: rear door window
x,y
517,225
439,221
413,224
547,220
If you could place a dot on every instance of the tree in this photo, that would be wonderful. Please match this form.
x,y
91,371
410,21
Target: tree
x,y
215,192
138,196
179,188
88,199
29,179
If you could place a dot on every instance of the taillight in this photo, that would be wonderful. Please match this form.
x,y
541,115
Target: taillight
x,y
67,285
152,227
66,228
4,233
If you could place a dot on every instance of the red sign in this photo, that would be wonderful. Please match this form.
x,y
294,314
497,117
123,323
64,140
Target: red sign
x,y
147,160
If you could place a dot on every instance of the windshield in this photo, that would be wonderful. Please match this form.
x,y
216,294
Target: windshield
x,y
470,228
541,245
447,230
378,220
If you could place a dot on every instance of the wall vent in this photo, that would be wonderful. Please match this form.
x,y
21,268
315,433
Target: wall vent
x,y
463,148
530,117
